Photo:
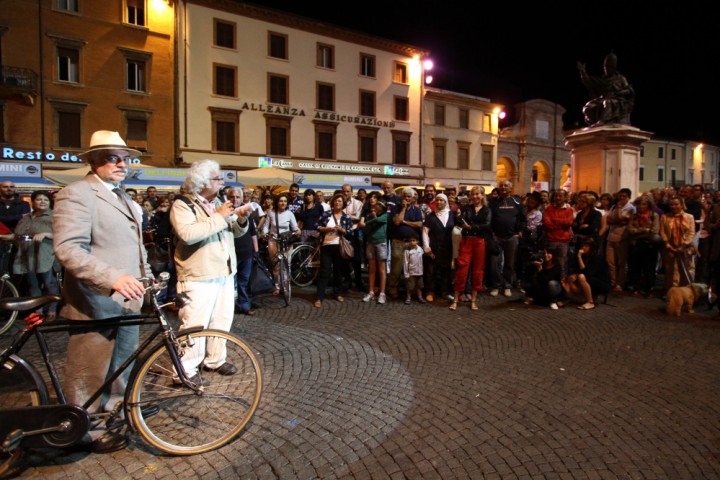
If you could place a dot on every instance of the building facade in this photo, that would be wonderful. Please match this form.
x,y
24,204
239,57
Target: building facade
x,y
70,67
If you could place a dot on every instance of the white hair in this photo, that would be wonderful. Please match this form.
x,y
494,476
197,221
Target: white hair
x,y
199,175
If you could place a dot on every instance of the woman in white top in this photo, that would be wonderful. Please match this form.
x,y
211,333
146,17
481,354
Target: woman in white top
x,y
279,221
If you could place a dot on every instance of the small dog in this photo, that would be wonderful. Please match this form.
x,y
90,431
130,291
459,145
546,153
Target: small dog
x,y
689,295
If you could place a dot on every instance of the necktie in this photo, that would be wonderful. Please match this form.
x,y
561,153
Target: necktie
x,y
123,200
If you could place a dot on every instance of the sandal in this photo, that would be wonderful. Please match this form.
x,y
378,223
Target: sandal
x,y
453,306
473,306
586,306
318,303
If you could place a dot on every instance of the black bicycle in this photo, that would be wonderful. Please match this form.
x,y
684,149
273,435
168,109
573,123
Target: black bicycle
x,y
7,291
192,418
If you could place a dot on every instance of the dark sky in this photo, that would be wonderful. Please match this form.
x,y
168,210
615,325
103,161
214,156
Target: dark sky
x,y
510,53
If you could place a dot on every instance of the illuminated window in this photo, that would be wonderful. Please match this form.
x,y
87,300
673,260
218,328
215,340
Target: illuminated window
x,y
487,123
401,73
135,12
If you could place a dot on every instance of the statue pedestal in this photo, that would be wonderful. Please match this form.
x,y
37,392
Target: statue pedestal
x,y
606,158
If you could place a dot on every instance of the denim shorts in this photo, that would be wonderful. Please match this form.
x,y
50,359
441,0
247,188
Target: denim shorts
x,y
376,251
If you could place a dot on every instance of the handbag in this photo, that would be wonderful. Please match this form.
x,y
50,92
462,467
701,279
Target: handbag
x,y
347,251
261,280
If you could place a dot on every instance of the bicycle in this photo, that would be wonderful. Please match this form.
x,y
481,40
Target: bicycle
x,y
192,418
7,290
305,263
284,243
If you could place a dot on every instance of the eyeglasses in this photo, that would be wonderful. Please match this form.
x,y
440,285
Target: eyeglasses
x,y
114,159
217,179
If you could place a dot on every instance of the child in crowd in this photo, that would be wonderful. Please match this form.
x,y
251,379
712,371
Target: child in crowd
x,y
413,270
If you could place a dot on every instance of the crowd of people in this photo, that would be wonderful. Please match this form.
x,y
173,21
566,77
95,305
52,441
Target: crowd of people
x,y
444,248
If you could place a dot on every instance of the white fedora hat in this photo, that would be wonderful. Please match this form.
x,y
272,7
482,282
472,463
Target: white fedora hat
x,y
108,140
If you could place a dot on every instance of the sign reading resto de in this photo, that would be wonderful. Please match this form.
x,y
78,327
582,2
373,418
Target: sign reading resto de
x,y
10,153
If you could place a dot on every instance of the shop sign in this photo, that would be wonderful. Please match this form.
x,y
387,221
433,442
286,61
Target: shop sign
x,y
388,170
11,153
20,170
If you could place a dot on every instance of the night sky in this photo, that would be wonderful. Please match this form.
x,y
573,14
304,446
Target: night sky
x,y
511,53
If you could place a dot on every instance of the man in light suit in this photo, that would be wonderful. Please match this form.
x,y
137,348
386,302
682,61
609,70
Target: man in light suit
x,y
97,238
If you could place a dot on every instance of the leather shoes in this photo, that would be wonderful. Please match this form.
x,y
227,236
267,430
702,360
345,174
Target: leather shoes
x,y
250,312
109,442
226,368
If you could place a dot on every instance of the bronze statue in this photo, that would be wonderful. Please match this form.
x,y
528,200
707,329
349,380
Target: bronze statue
x,y
611,96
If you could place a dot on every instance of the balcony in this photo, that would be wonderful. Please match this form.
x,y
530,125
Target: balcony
x,y
22,82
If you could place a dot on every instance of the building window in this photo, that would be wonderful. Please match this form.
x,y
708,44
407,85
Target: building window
x,y
439,114
367,65
401,109
136,76
463,161
135,12
641,173
278,89
487,123
278,135
439,153
277,45
325,56
401,148
689,176
661,152
68,64
67,5
642,150
367,103
464,118
325,135
367,144
225,129
401,73
224,34
661,174
68,128
325,97
224,82
487,156
673,176
137,135
672,154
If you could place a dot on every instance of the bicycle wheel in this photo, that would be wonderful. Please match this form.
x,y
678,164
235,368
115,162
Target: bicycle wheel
x,y
190,422
284,279
303,272
20,386
7,317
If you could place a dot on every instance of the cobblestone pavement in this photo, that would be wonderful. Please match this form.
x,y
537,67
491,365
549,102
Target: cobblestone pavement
x,y
368,391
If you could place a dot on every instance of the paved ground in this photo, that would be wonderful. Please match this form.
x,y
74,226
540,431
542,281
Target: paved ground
x,y
366,391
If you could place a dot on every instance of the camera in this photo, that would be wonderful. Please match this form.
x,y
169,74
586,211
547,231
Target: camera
x,y
536,257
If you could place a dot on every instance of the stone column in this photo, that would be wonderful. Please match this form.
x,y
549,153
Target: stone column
x,y
606,158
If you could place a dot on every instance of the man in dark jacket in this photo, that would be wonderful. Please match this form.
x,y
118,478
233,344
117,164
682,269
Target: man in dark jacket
x,y
508,222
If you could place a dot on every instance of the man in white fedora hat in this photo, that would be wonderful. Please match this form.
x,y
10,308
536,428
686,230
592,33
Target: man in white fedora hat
x,y
97,238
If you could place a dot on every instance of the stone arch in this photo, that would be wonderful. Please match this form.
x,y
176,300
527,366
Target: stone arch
x,y
506,170
541,172
565,175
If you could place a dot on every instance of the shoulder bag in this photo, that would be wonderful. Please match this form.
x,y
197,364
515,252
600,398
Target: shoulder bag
x,y
346,248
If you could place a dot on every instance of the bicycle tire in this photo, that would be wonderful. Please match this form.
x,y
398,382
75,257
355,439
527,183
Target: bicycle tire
x,y
7,317
190,422
20,386
284,280
303,273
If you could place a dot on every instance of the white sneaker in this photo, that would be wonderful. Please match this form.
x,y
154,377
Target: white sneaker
x,y
381,298
553,306
368,297
507,292
494,292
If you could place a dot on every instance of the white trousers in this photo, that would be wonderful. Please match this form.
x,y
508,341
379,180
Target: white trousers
x,y
212,306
